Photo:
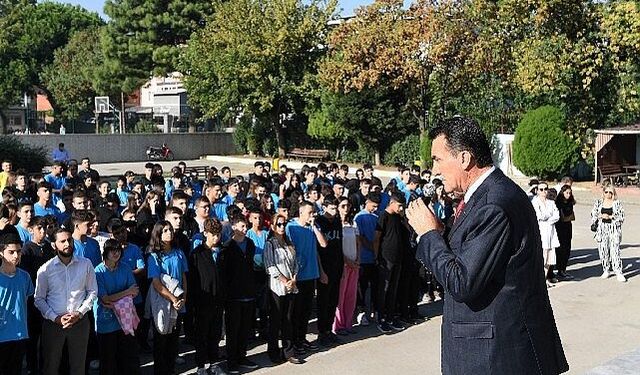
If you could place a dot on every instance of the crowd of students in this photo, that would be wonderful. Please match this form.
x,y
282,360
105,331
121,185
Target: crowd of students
x,y
92,269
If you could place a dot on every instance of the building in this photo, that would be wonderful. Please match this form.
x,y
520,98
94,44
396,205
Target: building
x,y
164,99
21,116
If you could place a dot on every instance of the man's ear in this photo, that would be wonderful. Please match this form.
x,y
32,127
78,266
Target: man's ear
x,y
466,160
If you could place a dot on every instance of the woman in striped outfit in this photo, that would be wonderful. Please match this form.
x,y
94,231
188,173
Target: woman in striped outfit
x,y
608,213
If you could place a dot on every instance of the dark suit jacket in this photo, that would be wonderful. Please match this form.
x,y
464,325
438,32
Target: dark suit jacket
x,y
497,316
205,285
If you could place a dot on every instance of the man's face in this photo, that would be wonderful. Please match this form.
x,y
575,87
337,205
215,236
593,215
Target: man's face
x,y
240,228
255,220
202,210
338,190
226,173
331,210
37,233
405,176
258,170
64,244
44,193
6,167
56,170
72,170
86,164
368,172
371,207
21,181
104,189
12,254
311,176
233,189
449,166
313,195
148,172
306,214
175,220
79,203
364,188
181,204
25,214
83,227
396,207
214,193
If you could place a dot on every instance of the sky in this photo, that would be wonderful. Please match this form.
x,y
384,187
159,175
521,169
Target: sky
x,y
96,5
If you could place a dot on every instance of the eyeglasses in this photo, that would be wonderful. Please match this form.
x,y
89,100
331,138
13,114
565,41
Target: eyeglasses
x,y
280,225
608,192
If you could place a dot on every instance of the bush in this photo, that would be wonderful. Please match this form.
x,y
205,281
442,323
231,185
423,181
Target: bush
x,y
405,152
22,155
360,154
145,126
541,147
425,152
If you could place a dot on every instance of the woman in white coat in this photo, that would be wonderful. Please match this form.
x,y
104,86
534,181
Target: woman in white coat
x,y
548,214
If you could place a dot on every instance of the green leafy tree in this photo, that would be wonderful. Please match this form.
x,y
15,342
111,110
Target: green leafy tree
x,y
144,38
71,76
541,146
22,155
29,35
256,57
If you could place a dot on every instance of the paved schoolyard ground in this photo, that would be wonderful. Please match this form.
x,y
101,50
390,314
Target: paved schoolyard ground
x,y
598,319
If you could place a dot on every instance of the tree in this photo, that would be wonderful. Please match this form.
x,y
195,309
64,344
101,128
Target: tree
x,y
29,35
541,146
71,76
256,58
144,38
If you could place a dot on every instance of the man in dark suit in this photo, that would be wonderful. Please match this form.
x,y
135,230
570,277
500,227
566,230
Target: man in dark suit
x,y
497,316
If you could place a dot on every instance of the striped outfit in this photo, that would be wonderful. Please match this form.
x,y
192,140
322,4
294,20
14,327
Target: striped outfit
x,y
609,236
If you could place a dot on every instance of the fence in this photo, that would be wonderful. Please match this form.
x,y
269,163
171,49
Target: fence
x,y
109,148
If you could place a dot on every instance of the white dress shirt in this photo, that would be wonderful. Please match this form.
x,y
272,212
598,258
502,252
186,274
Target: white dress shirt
x,y
63,289
476,184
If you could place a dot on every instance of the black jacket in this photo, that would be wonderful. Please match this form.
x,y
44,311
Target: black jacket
x,y
205,283
236,269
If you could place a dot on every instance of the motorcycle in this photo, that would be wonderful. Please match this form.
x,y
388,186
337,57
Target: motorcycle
x,y
159,153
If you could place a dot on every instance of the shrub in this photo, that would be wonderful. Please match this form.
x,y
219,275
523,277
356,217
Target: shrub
x,y
145,126
22,155
425,152
541,147
360,154
405,151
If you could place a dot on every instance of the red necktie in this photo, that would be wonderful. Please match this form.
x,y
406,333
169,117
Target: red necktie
x,y
459,210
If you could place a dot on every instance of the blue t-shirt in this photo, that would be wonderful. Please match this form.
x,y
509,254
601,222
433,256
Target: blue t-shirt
x,y
219,211
197,240
385,199
25,236
304,240
110,282
89,249
259,241
366,223
173,263
132,257
14,292
38,210
123,196
228,200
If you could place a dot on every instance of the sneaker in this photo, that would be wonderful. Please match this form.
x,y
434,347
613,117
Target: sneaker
x,y
605,275
216,370
333,338
299,349
396,325
621,277
180,360
248,364
384,327
94,365
324,340
553,280
232,368
363,320
342,332
295,360
310,345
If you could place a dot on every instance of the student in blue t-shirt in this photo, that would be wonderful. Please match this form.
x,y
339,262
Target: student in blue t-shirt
x,y
258,234
25,213
44,205
213,192
57,181
166,258
305,236
83,245
15,287
118,351
366,221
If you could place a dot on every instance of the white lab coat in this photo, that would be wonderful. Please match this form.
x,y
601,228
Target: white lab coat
x,y
548,214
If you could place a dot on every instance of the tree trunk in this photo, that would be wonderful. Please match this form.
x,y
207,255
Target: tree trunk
x,y
280,134
376,157
3,120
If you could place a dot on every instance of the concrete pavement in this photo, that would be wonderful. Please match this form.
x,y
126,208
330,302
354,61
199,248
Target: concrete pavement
x,y
598,319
